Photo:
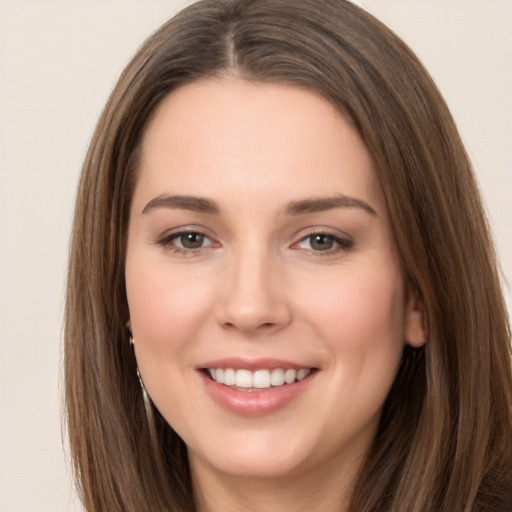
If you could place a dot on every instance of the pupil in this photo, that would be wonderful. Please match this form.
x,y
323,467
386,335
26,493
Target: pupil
x,y
192,240
322,242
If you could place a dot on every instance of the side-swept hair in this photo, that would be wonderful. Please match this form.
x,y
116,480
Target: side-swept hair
x,y
445,438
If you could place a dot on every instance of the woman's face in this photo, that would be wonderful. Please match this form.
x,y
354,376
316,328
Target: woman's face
x,y
260,251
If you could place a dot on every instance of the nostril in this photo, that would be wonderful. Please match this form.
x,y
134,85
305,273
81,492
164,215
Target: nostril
x,y
266,326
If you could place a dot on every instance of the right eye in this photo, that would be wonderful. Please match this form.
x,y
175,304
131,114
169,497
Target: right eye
x,y
189,240
186,242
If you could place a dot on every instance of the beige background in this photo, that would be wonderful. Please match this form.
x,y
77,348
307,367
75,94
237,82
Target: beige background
x,y
58,62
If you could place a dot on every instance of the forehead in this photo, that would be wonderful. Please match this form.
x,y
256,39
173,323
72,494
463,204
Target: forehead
x,y
256,136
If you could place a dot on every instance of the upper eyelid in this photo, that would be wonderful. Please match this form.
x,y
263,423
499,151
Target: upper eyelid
x,y
335,238
169,233
336,233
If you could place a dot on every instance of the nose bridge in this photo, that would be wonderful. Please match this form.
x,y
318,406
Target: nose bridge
x,y
254,298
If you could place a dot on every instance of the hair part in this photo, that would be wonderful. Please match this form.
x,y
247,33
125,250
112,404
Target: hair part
x,y
445,439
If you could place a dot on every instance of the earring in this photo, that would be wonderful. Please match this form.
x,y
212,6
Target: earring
x,y
145,396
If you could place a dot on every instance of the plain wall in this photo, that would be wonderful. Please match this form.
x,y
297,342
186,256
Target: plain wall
x,y
58,62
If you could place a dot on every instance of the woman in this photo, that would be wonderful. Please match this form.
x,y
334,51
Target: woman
x,y
282,292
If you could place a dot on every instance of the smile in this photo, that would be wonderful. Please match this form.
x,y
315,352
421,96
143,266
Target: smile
x,y
258,387
247,380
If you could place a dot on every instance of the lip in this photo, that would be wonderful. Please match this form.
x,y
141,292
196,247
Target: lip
x,y
254,403
238,363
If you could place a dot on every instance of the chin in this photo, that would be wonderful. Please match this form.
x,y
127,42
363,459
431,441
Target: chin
x,y
253,456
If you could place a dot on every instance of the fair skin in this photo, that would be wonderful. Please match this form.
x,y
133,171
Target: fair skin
x,y
259,241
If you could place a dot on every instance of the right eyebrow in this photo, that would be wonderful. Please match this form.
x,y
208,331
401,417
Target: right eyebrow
x,y
193,203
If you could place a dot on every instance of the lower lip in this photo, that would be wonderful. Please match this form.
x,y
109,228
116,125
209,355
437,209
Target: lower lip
x,y
255,403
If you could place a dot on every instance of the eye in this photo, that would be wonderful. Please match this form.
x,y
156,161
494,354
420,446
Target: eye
x,y
324,242
190,240
185,241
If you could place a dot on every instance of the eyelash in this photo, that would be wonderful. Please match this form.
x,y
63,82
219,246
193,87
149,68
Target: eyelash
x,y
342,244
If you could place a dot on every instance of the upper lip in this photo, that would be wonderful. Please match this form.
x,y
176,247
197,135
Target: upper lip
x,y
238,363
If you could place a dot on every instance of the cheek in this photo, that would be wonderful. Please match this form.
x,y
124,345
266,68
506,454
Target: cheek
x,y
362,303
361,318
165,304
167,310
361,322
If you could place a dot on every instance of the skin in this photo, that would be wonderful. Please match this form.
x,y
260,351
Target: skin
x,y
258,286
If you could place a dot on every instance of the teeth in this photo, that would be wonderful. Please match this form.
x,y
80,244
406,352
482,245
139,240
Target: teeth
x,y
277,377
260,379
289,376
229,377
302,374
243,379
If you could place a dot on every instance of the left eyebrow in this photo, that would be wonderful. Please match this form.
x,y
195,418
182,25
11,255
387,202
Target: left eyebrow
x,y
321,204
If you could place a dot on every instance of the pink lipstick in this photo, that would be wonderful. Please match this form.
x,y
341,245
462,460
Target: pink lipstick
x,y
255,387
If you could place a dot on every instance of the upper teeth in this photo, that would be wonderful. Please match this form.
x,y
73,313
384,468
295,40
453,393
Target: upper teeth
x,y
259,379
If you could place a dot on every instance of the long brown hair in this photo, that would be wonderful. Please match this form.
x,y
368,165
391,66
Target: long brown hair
x,y
445,438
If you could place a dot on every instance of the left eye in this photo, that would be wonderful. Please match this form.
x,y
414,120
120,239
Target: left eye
x,y
324,242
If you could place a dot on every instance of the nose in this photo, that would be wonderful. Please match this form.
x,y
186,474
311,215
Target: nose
x,y
253,299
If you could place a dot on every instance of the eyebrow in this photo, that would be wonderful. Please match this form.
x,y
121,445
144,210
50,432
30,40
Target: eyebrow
x,y
321,204
195,204
300,207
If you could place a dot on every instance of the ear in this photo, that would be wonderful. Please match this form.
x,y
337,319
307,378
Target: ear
x,y
129,325
414,330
